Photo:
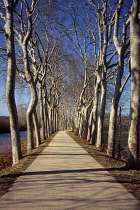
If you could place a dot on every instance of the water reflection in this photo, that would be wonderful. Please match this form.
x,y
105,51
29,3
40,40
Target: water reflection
x,y
5,140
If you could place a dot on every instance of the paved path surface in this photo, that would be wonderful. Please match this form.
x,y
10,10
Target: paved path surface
x,y
65,177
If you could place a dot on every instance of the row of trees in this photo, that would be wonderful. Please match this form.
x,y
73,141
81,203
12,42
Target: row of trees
x,y
34,55
115,38
76,57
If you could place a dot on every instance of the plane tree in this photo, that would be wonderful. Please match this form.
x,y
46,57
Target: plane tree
x,y
134,132
104,56
79,35
122,50
24,31
8,17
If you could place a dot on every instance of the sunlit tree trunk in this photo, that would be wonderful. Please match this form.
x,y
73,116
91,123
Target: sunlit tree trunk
x,y
41,100
47,119
30,77
10,83
56,120
101,114
113,112
104,38
134,132
81,122
33,92
29,117
36,127
52,120
119,85
92,125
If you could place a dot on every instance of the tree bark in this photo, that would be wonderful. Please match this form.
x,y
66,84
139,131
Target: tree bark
x,y
112,129
30,79
51,120
134,132
47,119
42,111
10,83
114,108
101,114
37,131
92,125
120,48
104,36
29,117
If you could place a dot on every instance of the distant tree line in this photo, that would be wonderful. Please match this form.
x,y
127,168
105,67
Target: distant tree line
x,y
5,125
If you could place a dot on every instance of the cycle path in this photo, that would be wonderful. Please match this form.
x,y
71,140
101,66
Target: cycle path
x,y
65,177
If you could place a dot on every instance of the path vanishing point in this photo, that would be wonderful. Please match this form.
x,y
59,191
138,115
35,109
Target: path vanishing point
x,y
64,176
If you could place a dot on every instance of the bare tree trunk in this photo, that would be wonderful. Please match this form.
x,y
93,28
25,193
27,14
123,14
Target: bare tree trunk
x,y
92,125
114,108
104,37
41,99
24,40
29,117
56,119
134,132
81,123
112,129
36,126
101,114
120,48
47,124
85,131
47,120
52,120
10,84
84,121
75,123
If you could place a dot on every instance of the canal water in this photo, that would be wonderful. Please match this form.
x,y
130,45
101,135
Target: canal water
x,y
5,140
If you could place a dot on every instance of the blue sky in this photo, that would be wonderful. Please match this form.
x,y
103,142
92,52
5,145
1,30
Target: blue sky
x,y
21,97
